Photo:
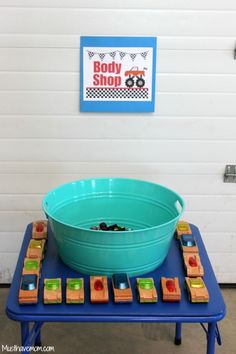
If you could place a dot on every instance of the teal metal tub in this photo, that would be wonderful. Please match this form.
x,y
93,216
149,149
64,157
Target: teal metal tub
x,y
150,210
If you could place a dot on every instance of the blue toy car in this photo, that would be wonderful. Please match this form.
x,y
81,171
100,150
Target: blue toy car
x,y
188,241
120,281
188,244
29,282
121,288
28,293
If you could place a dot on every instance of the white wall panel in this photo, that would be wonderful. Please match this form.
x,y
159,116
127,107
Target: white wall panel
x,y
72,41
184,184
219,242
11,242
135,22
67,103
7,266
131,167
124,4
92,127
116,150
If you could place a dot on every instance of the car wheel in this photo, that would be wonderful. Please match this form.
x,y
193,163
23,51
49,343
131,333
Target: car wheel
x,y
129,82
140,82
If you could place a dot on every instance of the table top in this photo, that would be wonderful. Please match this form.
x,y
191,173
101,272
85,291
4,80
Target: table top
x,y
184,311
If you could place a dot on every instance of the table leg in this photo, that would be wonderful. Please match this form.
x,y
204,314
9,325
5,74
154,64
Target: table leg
x,y
38,339
178,327
211,338
24,332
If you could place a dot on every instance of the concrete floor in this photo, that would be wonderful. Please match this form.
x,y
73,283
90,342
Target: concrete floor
x,y
109,338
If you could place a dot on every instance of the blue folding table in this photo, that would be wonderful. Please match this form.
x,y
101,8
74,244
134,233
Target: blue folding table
x,y
207,314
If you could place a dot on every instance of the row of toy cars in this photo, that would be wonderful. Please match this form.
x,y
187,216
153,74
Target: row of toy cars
x,y
122,290
99,292
196,287
29,286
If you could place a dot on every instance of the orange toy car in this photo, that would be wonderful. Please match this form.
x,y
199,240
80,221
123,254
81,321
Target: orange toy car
x,y
32,266
193,265
52,293
40,230
98,289
197,290
28,293
121,288
146,290
36,249
135,76
74,290
183,227
170,289
134,71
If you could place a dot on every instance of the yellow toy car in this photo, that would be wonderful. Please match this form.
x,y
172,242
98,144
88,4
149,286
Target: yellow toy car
x,y
197,290
183,227
36,249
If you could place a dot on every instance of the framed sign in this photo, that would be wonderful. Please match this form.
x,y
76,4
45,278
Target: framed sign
x,y
117,74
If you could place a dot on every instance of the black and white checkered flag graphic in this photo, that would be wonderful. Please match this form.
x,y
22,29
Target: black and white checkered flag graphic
x,y
112,54
133,56
102,56
144,55
107,94
122,55
90,54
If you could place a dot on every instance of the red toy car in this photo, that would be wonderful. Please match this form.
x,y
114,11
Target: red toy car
x,y
193,265
98,289
40,230
170,289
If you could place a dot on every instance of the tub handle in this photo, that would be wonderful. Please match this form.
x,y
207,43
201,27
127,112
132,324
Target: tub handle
x,y
178,206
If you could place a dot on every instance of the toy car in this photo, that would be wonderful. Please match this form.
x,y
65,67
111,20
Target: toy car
x,y
135,73
36,249
98,289
121,288
197,290
74,290
170,289
146,290
188,244
193,265
28,293
52,291
40,230
32,266
183,227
